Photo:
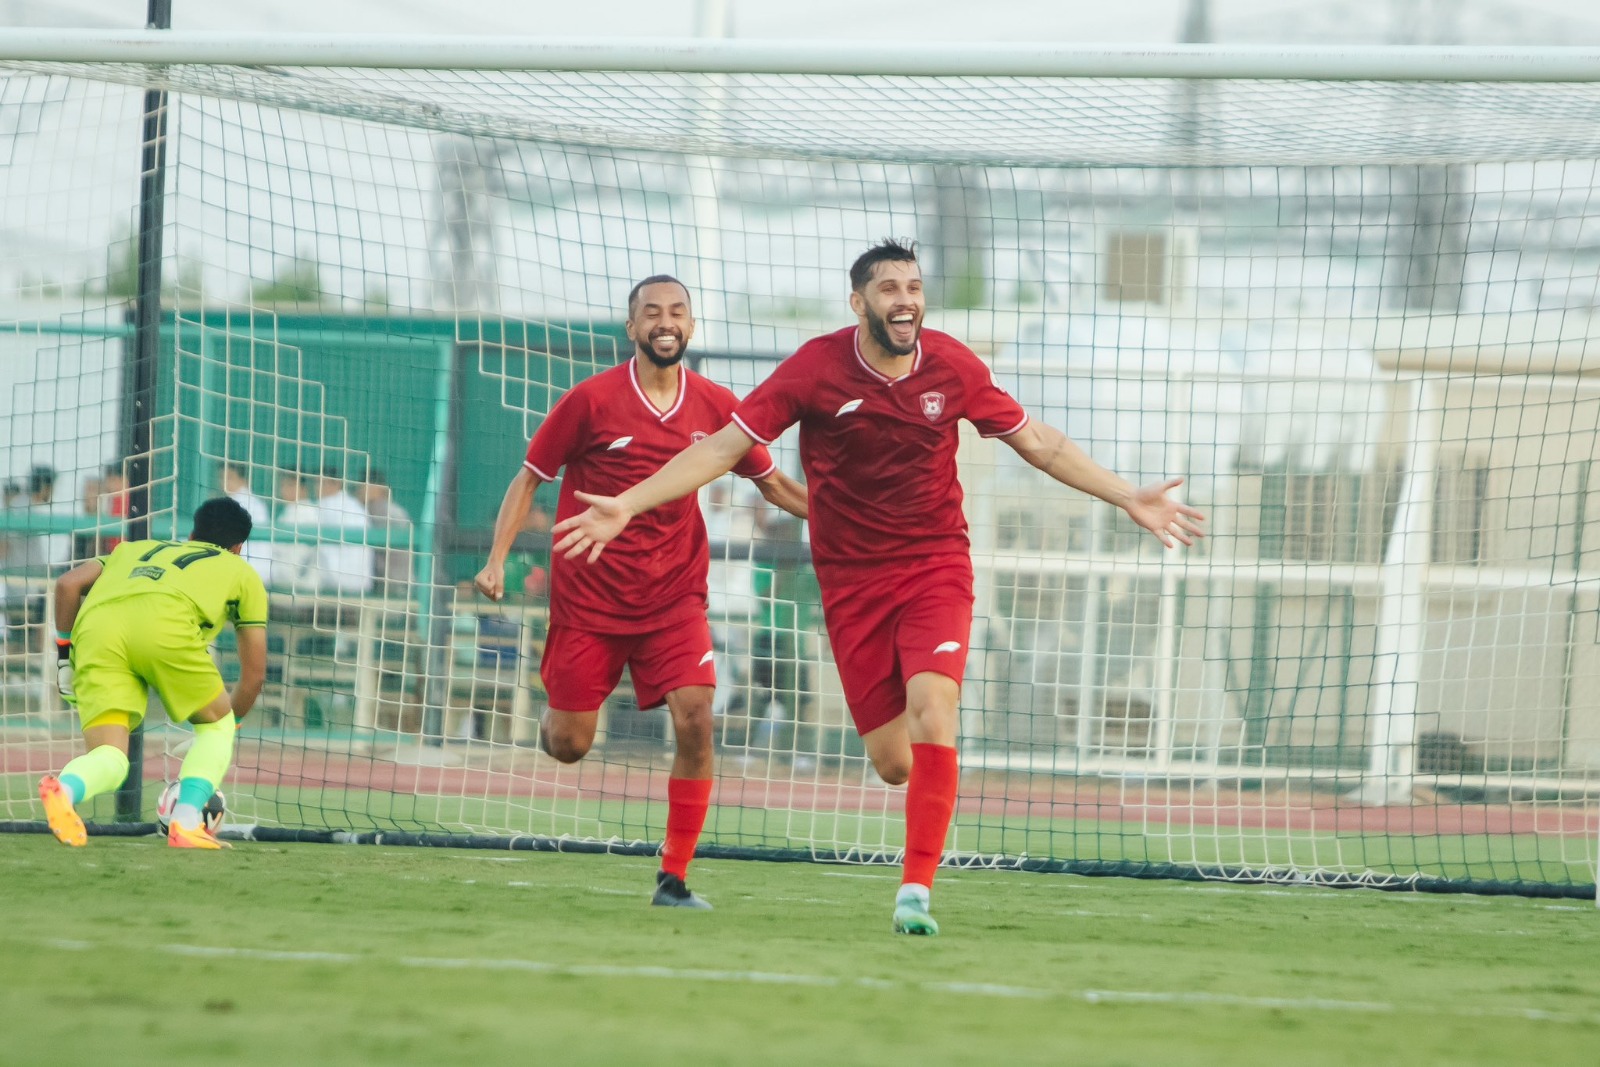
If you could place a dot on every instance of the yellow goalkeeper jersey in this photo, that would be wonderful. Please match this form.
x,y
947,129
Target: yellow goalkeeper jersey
x,y
204,582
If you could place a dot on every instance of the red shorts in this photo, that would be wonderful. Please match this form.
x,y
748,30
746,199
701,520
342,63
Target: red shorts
x,y
892,625
581,668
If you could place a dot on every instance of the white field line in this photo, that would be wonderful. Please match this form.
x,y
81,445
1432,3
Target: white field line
x,y
1160,998
860,874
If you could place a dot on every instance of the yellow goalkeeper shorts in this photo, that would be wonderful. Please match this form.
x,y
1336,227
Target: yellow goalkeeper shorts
x,y
122,650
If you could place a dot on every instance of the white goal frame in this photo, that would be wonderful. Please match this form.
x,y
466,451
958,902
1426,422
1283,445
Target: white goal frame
x,y
1401,575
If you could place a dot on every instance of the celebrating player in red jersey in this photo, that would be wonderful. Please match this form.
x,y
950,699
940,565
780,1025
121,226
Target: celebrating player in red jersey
x,y
644,607
878,405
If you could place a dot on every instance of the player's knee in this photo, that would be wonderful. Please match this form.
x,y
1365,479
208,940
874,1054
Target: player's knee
x,y
932,717
894,770
693,722
566,750
562,746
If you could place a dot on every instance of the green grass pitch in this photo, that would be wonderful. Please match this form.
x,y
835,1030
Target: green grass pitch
x,y
126,952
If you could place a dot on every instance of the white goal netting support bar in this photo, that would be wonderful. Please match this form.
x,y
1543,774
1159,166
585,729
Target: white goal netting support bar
x,y
1349,294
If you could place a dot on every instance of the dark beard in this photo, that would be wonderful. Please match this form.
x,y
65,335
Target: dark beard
x,y
879,329
664,362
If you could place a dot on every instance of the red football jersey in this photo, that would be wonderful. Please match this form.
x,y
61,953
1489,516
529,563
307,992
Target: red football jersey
x,y
609,436
880,453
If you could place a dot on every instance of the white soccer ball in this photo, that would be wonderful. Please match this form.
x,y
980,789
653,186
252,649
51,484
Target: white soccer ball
x,y
164,805
213,812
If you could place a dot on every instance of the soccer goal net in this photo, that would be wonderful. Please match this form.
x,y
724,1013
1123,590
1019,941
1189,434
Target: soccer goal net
x,y
1359,316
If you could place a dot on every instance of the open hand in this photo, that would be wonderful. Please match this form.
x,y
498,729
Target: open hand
x,y
592,530
1172,521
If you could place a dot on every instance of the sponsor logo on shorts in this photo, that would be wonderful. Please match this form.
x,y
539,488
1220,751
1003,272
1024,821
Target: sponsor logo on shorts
x,y
621,442
847,408
932,405
948,646
706,658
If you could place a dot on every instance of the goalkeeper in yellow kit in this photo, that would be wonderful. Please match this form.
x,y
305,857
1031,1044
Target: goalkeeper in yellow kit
x,y
142,618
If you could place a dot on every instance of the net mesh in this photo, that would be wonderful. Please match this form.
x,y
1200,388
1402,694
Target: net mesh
x,y
1357,317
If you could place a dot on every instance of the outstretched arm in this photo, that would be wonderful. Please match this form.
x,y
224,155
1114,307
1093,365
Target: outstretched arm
x,y
1053,452
491,581
784,492
607,516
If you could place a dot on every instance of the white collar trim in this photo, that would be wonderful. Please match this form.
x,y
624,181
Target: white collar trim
x,y
683,389
916,360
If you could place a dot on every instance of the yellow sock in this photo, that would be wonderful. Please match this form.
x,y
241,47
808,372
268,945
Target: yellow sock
x,y
98,771
212,752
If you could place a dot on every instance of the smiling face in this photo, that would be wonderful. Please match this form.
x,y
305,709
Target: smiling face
x,y
660,323
890,306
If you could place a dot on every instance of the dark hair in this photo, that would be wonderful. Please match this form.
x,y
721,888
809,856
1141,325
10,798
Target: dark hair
x,y
375,476
41,478
887,250
332,473
654,279
223,521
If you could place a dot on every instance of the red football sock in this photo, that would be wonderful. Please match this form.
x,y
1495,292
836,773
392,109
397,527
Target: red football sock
x,y
687,802
930,801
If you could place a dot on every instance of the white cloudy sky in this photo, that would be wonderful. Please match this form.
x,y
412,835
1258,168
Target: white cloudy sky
x,y
1123,21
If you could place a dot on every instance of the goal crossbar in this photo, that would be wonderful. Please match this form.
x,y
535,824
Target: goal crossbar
x,y
695,56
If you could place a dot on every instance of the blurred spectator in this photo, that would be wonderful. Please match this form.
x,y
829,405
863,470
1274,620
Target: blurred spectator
x,y
111,509
729,512
294,564
779,675
44,551
32,557
91,496
10,550
258,551
528,566
391,567
236,483
342,566
11,547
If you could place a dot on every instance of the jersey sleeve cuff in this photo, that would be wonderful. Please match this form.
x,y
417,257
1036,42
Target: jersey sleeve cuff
x,y
537,473
744,427
764,475
1007,433
244,625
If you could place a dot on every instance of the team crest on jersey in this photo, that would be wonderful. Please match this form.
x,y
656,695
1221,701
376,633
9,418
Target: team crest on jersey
x,y
932,405
696,437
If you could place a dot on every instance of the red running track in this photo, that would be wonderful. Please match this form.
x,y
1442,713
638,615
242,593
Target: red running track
x,y
999,796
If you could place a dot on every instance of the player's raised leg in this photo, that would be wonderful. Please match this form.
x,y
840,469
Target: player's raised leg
x,y
579,669
688,794
919,749
567,735
99,770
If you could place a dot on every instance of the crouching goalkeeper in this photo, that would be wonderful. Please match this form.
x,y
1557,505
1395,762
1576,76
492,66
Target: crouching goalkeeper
x,y
141,618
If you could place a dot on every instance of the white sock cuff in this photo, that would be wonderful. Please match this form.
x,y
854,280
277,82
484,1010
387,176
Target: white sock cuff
x,y
911,891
